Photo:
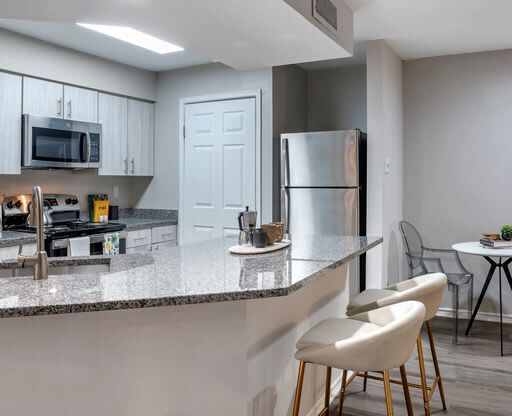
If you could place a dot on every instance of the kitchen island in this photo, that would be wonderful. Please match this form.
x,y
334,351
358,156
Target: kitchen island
x,y
184,331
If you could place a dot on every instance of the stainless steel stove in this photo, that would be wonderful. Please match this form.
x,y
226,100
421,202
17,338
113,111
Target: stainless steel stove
x,y
62,222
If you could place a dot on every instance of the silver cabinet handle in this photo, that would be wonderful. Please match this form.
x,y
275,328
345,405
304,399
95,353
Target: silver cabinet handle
x,y
125,165
133,165
59,107
285,168
285,209
69,109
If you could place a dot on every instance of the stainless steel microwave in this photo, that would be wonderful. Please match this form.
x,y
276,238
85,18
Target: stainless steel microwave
x,y
60,143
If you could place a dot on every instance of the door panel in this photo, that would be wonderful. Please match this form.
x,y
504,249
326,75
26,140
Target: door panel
x,y
321,211
113,115
42,98
80,104
219,166
141,122
319,159
10,120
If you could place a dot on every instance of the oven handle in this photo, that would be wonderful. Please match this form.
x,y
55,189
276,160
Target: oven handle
x,y
95,238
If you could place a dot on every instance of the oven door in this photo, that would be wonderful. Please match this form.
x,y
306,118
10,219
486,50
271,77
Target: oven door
x,y
58,143
60,247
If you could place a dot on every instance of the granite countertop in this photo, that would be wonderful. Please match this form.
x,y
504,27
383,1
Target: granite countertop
x,y
14,238
201,272
144,223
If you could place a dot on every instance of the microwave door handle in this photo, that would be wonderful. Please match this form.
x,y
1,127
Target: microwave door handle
x,y
88,137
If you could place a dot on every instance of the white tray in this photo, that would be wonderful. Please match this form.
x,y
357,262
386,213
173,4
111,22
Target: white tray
x,y
254,250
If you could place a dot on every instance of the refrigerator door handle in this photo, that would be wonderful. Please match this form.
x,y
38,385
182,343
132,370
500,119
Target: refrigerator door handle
x,y
285,208
285,172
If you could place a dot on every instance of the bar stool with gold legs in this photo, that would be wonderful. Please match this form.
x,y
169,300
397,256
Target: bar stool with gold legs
x,y
377,340
428,289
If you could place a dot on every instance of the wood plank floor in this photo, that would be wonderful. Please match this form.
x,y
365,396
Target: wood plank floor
x,y
477,380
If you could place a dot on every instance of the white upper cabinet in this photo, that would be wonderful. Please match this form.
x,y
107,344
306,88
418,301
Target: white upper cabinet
x,y
141,132
113,115
80,104
10,122
42,98
51,99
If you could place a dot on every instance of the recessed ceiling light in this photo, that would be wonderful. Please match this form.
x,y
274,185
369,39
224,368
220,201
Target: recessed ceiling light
x,y
127,34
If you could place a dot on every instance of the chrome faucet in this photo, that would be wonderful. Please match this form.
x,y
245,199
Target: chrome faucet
x,y
38,261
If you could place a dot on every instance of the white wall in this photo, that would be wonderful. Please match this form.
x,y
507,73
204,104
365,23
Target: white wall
x,y
385,104
289,90
336,98
163,192
80,183
27,55
457,143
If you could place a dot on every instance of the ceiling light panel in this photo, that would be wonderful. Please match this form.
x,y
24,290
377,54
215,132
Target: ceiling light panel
x,y
135,37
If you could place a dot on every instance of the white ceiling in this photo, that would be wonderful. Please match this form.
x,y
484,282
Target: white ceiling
x,y
75,37
240,33
425,28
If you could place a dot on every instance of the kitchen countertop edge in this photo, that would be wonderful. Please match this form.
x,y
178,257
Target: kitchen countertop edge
x,y
112,305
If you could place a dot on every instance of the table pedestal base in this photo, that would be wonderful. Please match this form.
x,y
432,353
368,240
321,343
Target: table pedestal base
x,y
500,265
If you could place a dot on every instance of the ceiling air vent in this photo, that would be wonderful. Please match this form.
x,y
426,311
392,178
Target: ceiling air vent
x,y
326,13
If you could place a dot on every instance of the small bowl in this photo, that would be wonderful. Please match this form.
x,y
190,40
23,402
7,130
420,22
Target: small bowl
x,y
491,236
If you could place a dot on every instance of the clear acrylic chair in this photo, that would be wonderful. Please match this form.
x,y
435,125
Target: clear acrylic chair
x,y
417,261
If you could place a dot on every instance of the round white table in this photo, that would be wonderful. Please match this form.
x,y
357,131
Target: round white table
x,y
504,256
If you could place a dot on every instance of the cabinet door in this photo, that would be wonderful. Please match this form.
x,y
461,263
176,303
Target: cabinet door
x,y
113,116
42,98
141,131
10,120
80,104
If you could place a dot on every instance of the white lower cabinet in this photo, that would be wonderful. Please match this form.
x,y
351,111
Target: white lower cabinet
x,y
157,238
11,252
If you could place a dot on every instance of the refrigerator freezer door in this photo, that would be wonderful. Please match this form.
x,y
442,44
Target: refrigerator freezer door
x,y
321,210
320,159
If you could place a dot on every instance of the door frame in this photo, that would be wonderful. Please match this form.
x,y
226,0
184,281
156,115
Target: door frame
x,y
236,95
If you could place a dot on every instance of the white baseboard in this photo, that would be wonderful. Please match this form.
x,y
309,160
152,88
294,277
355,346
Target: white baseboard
x,y
481,316
335,391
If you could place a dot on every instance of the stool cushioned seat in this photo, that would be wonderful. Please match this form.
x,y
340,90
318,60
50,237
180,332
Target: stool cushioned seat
x,y
372,341
428,289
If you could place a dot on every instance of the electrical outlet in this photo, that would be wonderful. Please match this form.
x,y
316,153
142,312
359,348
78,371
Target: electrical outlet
x,y
387,165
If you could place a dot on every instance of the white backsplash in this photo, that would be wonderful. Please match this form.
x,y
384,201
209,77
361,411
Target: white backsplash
x,y
80,183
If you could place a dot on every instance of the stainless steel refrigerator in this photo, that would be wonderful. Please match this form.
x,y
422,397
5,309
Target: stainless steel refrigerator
x,y
323,183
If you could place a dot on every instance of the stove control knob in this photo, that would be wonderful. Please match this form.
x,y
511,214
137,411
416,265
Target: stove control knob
x,y
10,205
74,201
18,204
68,201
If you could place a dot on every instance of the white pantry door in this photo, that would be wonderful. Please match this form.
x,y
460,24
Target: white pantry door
x,y
219,167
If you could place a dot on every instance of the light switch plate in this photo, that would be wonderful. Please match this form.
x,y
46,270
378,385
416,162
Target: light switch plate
x,y
116,191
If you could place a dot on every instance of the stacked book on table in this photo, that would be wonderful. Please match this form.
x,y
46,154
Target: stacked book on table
x,y
488,243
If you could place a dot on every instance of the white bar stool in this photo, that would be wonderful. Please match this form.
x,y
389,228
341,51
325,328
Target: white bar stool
x,y
377,340
428,289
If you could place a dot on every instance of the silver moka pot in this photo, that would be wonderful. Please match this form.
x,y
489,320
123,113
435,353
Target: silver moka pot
x,y
246,224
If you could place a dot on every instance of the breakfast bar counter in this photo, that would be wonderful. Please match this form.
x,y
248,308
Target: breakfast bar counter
x,y
202,272
151,333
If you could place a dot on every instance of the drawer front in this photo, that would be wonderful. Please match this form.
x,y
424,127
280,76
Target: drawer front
x,y
11,252
161,234
138,238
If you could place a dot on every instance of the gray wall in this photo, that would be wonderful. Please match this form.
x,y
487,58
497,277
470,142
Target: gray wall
x,y
30,56
163,192
385,121
289,115
457,133
336,98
